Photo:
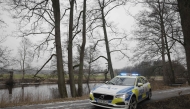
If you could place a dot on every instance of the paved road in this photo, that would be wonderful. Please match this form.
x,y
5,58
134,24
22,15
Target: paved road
x,y
84,104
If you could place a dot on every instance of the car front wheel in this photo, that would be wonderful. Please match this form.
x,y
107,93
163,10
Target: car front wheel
x,y
149,95
133,103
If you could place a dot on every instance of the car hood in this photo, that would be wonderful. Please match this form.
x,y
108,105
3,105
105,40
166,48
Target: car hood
x,y
112,89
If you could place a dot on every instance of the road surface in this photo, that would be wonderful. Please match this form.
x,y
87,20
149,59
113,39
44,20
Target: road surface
x,y
84,104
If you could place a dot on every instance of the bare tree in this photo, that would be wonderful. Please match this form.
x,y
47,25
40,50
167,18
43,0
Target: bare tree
x,y
80,76
70,50
2,22
110,67
37,14
4,57
24,55
4,51
162,11
61,78
184,10
158,26
90,56
104,8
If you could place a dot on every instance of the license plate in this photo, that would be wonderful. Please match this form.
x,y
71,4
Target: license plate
x,y
102,101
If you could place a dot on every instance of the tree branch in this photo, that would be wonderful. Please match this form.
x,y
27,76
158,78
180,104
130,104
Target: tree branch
x,y
97,43
120,52
98,58
44,64
76,66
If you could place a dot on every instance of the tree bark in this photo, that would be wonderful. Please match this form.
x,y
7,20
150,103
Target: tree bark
x,y
80,76
184,11
60,71
70,51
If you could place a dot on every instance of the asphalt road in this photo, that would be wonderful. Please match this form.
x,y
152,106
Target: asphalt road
x,y
84,104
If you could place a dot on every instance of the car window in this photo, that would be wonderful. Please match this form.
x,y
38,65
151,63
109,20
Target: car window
x,y
144,80
122,81
139,81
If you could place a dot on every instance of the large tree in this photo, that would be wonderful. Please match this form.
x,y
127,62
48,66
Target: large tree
x,y
61,77
102,5
163,12
33,16
70,50
104,8
184,10
80,76
157,28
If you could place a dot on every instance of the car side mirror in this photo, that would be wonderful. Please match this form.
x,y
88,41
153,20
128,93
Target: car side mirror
x,y
140,84
106,82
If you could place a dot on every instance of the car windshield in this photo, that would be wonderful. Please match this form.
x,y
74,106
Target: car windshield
x,y
122,81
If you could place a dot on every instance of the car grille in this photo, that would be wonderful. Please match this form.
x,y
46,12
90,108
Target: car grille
x,y
103,96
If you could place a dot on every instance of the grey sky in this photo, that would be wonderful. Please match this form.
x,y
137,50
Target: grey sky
x,y
119,16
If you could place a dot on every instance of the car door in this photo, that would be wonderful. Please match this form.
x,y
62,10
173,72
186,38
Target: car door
x,y
140,89
145,87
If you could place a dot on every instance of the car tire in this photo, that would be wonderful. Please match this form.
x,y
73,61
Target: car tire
x,y
133,103
149,95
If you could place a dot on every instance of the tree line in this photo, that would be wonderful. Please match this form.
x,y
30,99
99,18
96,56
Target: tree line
x,y
161,33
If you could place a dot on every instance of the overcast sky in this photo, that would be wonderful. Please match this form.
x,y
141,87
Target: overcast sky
x,y
119,16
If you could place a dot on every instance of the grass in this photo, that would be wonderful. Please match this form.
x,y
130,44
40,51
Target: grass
x,y
178,102
19,76
48,77
18,100
158,85
29,99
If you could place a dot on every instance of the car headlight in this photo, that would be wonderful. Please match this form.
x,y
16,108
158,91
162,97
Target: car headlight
x,y
91,93
121,96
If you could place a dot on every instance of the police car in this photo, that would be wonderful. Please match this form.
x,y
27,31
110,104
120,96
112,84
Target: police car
x,y
123,91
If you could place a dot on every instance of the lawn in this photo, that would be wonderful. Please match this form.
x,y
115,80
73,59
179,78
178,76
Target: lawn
x,y
179,102
51,78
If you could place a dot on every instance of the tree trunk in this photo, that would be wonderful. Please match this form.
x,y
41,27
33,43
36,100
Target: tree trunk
x,y
110,68
23,70
61,78
89,72
70,51
89,67
166,43
80,76
170,62
23,61
184,11
105,74
163,44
